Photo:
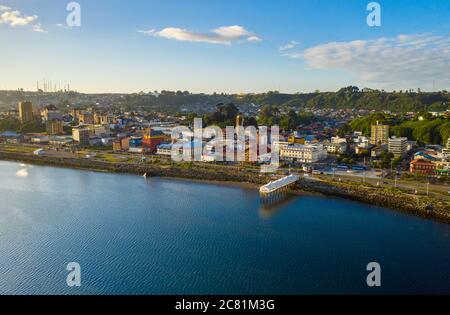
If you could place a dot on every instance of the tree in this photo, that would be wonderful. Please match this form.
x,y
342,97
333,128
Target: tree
x,y
10,124
269,116
386,159
344,130
289,121
225,115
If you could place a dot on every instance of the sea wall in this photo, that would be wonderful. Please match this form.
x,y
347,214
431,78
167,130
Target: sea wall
x,y
382,196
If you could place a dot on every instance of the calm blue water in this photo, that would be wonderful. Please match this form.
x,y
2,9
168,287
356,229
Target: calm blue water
x,y
157,236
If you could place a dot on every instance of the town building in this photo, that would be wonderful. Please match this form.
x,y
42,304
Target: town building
x,y
426,155
86,118
294,139
309,153
335,148
121,144
422,167
39,138
442,168
379,134
75,113
60,140
101,119
26,111
81,135
151,139
398,146
361,141
50,112
363,150
338,139
164,149
97,130
376,151
54,127
136,141
446,150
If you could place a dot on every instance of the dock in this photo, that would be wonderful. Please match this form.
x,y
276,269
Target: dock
x,y
276,190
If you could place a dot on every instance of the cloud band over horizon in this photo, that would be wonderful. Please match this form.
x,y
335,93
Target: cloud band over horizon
x,y
405,59
222,35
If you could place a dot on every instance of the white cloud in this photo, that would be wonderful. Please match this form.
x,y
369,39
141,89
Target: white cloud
x,y
401,60
289,46
4,8
15,18
254,39
38,28
222,35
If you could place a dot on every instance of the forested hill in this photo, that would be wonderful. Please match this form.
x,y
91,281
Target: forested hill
x,y
353,97
348,97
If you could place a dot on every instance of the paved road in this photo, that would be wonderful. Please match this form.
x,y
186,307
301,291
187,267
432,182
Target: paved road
x,y
438,191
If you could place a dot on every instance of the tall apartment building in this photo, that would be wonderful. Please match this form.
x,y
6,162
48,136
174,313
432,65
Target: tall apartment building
x,y
446,150
398,146
54,127
379,134
25,111
81,135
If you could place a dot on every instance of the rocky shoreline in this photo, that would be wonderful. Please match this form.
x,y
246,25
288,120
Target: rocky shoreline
x,y
422,206
392,198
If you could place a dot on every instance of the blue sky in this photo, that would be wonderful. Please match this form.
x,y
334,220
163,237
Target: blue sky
x,y
225,45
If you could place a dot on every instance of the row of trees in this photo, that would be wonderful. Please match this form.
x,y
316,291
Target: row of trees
x,y
270,115
423,128
225,115
353,97
16,125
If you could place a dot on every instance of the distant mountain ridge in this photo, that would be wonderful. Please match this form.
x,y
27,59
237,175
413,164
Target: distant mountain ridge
x,y
168,101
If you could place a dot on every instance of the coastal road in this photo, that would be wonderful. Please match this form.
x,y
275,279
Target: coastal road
x,y
437,191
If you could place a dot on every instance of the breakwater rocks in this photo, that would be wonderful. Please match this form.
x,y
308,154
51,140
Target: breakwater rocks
x,y
385,197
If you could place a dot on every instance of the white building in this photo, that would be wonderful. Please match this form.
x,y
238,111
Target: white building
x,y
446,150
398,146
309,153
81,135
338,139
335,147
361,141
164,149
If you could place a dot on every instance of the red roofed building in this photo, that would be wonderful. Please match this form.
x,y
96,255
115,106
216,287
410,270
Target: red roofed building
x,y
152,138
422,167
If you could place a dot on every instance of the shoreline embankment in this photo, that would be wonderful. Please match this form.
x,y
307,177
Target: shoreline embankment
x,y
419,205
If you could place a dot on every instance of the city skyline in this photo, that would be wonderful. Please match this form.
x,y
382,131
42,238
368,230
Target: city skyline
x,y
226,47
